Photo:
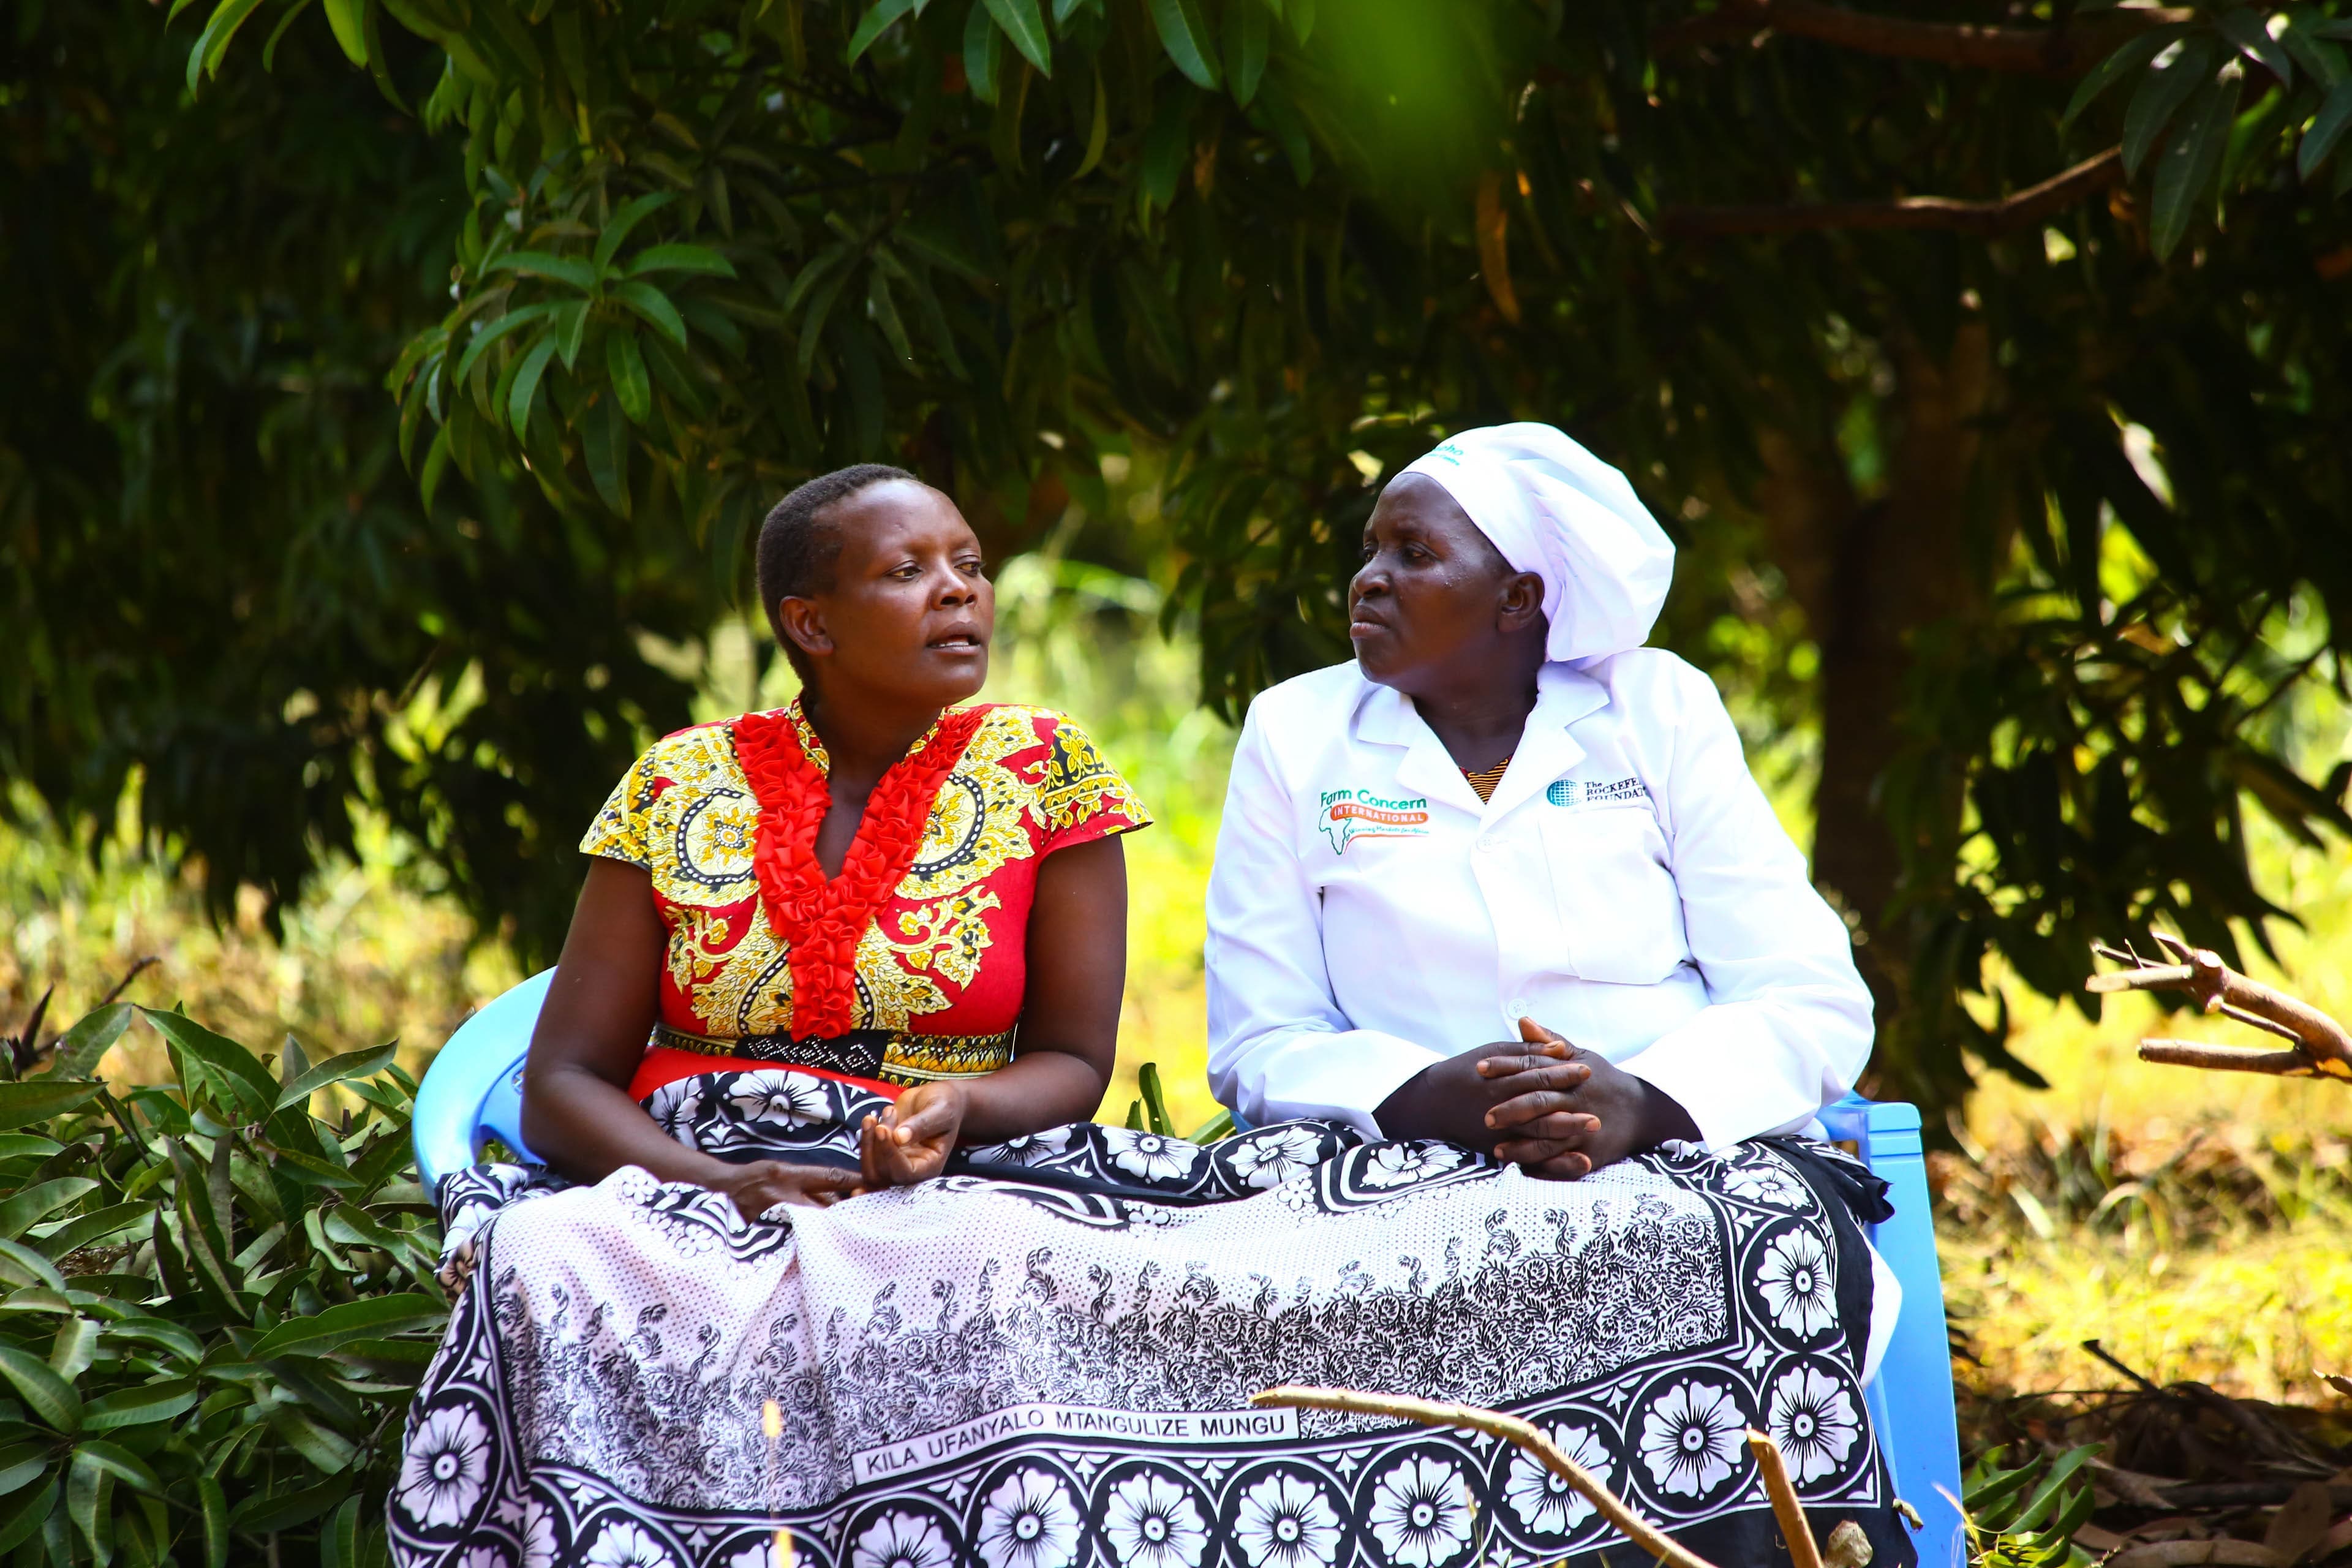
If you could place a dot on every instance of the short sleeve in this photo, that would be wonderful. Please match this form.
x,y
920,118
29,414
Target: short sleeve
x,y
1080,797
619,831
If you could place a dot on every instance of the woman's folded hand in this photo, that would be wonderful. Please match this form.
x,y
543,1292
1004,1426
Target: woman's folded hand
x,y
765,1186
910,1141
1571,1111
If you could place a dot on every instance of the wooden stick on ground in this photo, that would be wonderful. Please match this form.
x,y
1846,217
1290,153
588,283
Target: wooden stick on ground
x,y
1795,1527
1646,1537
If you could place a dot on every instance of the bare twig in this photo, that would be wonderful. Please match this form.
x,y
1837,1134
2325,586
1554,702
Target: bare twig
x,y
1646,1537
2323,1046
2041,51
129,975
1985,219
1795,1527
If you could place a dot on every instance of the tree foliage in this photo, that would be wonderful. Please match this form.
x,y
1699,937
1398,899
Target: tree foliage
x,y
219,1303
1995,357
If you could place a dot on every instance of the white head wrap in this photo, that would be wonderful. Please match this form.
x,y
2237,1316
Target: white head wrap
x,y
1557,511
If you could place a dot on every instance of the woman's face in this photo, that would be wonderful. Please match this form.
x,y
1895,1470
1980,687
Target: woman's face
x,y
911,611
1433,595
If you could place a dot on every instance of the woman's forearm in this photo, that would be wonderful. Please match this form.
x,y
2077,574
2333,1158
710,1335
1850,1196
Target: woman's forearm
x,y
587,1129
1036,1090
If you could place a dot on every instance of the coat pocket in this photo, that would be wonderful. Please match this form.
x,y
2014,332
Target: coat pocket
x,y
1619,907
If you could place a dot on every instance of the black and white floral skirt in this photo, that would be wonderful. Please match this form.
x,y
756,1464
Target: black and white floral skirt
x,y
1046,1359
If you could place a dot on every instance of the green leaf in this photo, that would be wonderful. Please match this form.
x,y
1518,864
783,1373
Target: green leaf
x,y
608,244
180,1342
18,1522
569,269
1025,26
28,1145
345,16
76,1344
118,1462
261,1513
215,1505
79,1048
339,1538
269,49
248,1079
27,1208
39,1099
885,311
137,1406
526,385
2186,175
48,1397
626,365
330,1451
2164,92
1246,26
21,1266
873,24
335,1070
213,41
2247,29
983,53
680,259
2133,55
370,1315
1155,1102
605,448
95,1225
21,1464
2327,128
654,307
569,327
1098,137
1185,36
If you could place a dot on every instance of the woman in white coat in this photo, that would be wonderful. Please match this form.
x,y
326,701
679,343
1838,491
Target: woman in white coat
x,y
1505,882
1507,809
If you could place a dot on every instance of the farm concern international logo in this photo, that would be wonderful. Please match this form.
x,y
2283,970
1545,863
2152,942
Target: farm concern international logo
x,y
1348,814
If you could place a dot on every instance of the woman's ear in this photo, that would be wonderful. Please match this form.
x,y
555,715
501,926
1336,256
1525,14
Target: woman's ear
x,y
803,623
1522,602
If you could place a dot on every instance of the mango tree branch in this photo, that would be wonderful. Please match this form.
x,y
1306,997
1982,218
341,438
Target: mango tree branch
x,y
1646,1537
2323,1046
1985,219
2049,51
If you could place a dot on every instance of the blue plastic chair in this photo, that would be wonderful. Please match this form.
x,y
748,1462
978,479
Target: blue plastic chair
x,y
1910,1401
474,1091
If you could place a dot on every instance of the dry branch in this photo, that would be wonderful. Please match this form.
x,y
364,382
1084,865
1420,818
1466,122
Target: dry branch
x,y
1985,219
1795,1529
1646,1537
2322,1047
2041,51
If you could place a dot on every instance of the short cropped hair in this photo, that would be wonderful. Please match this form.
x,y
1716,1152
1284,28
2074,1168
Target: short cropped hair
x,y
799,547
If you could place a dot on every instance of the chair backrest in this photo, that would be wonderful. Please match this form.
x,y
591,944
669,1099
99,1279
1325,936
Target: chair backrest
x,y
1910,1401
473,1089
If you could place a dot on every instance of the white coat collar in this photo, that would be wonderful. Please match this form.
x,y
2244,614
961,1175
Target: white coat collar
x,y
1386,717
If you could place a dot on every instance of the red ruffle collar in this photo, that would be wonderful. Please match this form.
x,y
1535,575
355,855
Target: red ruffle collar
x,y
821,921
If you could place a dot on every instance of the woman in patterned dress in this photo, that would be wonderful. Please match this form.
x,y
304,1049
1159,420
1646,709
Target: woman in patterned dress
x,y
827,1257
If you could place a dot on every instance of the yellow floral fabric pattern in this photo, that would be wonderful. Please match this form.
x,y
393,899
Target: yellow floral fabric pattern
x,y
945,955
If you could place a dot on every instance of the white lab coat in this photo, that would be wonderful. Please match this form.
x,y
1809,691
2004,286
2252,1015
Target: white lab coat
x,y
1627,886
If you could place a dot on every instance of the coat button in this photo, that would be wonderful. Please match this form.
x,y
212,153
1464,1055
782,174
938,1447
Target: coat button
x,y
1487,841
1516,1009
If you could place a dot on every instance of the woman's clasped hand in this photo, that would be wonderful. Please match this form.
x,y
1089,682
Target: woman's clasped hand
x,y
1537,1103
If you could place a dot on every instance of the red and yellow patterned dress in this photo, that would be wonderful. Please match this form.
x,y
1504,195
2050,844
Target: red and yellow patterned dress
x,y
908,965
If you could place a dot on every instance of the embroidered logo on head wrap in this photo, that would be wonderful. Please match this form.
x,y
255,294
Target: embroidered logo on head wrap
x,y
1348,814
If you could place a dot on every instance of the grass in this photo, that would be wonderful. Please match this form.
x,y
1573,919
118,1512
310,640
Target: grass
x,y
2193,1223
